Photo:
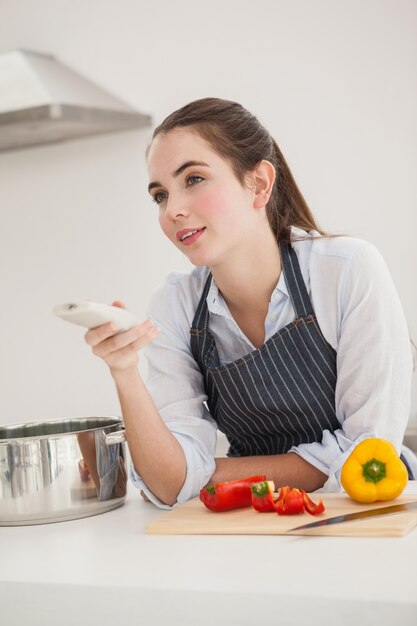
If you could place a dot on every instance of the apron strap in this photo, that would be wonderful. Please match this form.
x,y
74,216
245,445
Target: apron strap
x,y
297,290
202,315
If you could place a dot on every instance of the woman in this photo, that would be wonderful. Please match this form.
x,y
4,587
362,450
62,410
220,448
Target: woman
x,y
291,342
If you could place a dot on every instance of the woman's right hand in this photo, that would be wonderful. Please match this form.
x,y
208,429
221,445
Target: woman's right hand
x,y
120,351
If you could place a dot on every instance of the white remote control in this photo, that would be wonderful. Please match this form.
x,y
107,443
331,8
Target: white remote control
x,y
92,314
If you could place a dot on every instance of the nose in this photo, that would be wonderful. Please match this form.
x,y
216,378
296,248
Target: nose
x,y
175,209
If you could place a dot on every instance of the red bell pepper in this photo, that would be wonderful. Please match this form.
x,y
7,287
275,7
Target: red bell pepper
x,y
263,497
310,506
291,502
234,494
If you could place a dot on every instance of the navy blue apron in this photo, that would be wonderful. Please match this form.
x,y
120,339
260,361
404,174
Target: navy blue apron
x,y
279,395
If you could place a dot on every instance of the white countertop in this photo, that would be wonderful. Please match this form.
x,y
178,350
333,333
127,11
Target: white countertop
x,y
105,570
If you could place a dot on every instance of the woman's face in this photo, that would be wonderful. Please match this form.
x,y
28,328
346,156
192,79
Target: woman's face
x,y
203,208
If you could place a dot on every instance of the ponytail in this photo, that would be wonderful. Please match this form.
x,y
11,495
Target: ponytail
x,y
286,206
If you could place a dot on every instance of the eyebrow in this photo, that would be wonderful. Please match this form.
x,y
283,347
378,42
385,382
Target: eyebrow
x,y
178,172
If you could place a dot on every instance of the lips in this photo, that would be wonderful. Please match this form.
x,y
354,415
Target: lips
x,y
188,233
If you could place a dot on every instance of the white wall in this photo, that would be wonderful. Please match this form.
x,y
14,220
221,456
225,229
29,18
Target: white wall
x,y
333,81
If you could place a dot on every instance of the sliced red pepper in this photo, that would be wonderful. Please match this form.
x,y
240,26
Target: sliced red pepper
x,y
263,496
310,506
234,494
283,492
291,503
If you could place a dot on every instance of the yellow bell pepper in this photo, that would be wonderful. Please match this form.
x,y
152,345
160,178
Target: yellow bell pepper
x,y
374,471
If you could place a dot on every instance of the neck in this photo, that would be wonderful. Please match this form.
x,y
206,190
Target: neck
x,y
247,278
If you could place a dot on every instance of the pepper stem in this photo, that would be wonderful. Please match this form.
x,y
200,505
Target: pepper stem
x,y
260,489
373,471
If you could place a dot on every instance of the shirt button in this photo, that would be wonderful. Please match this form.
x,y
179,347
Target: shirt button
x,y
277,297
273,318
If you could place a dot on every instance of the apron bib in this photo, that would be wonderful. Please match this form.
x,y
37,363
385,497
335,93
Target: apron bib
x,y
279,395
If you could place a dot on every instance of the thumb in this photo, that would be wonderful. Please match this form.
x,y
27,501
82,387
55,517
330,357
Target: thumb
x,y
119,304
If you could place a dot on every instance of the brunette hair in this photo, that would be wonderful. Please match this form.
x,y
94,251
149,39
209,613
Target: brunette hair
x,y
239,138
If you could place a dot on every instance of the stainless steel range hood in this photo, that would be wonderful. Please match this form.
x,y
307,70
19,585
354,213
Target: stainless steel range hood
x,y
43,101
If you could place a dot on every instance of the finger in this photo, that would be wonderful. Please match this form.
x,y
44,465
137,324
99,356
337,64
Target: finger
x,y
145,339
138,336
133,347
94,336
107,348
136,341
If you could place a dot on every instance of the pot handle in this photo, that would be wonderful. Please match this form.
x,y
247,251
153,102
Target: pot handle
x,y
116,437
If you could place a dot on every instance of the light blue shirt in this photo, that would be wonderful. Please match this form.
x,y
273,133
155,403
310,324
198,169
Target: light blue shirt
x,y
360,315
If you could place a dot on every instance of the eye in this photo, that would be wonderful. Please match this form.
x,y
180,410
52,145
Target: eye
x,y
189,178
156,199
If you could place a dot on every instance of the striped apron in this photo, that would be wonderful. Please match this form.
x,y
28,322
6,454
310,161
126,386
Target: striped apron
x,y
281,394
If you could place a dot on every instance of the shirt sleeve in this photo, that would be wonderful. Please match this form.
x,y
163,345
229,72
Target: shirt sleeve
x,y
176,385
374,366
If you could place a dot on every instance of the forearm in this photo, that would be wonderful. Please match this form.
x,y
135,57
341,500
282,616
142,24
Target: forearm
x,y
284,469
156,454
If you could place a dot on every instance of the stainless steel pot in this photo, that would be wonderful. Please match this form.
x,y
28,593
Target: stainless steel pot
x,y
61,470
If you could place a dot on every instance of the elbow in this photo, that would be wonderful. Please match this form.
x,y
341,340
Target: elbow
x,y
307,475
165,499
167,493
169,502
314,480
319,481
167,496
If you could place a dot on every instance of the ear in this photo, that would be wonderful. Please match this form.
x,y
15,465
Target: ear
x,y
263,178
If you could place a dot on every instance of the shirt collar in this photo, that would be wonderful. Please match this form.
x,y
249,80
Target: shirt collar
x,y
215,301
218,306
281,285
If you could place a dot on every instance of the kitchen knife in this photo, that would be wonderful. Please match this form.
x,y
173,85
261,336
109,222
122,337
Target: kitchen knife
x,y
349,517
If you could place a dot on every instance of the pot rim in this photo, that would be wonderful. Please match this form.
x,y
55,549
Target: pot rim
x,y
15,433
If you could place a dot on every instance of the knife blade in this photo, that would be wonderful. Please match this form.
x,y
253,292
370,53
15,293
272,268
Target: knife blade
x,y
349,517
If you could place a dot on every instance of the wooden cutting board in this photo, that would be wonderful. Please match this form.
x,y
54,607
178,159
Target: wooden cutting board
x,y
192,518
